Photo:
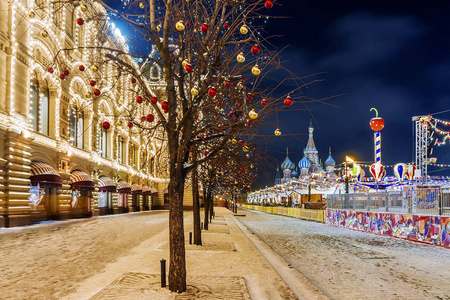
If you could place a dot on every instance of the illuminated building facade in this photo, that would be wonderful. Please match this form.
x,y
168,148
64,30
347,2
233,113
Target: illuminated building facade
x,y
63,151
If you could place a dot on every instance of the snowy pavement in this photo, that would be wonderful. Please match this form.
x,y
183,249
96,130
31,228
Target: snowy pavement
x,y
118,257
347,264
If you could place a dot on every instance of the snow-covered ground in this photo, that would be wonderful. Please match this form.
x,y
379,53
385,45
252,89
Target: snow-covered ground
x,y
347,264
48,261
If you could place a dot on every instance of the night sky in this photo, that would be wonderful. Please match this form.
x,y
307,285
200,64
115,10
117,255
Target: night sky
x,y
391,55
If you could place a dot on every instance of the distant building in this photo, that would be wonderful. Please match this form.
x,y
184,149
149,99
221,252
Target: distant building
x,y
310,163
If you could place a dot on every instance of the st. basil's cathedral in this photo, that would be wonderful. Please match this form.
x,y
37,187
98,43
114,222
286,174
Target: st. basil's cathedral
x,y
309,164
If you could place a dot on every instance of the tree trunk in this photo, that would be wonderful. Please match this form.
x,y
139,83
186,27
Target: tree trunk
x,y
205,197
177,267
211,204
196,207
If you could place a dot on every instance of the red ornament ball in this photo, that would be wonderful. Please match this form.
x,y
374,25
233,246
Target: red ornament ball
x,y
226,25
97,92
263,102
92,82
188,23
66,73
133,80
205,153
50,70
188,68
130,124
249,96
62,76
256,49
142,118
230,115
219,102
377,124
212,92
139,99
227,84
80,21
150,118
154,100
288,101
241,142
165,105
268,4
81,68
106,125
204,28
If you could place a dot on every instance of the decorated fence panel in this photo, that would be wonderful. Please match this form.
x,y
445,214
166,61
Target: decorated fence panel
x,y
317,215
427,229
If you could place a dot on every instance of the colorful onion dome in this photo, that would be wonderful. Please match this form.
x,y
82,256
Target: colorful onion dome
x,y
304,163
330,161
287,163
294,174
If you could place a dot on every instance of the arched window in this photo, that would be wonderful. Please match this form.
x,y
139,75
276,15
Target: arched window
x,y
39,106
77,128
133,155
103,142
155,72
121,150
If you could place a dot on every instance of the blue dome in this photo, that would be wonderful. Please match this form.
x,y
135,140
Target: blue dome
x,y
330,162
294,174
304,163
287,164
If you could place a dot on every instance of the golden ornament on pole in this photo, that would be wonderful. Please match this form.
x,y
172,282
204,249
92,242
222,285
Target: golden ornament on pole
x,y
184,63
240,57
277,132
256,70
141,4
83,7
31,14
194,91
179,25
94,68
244,29
253,114
44,33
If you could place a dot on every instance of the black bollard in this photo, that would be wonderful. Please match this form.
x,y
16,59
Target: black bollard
x,y
163,273
214,214
190,238
201,226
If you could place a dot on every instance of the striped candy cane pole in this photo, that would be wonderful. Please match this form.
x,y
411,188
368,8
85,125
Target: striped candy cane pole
x,y
377,137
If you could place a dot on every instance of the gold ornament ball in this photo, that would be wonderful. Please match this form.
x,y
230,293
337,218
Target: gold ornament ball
x,y
194,91
248,155
253,114
256,70
141,4
179,26
244,29
184,63
31,14
119,124
234,141
158,27
87,95
240,85
246,148
83,7
44,33
94,68
277,132
240,58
